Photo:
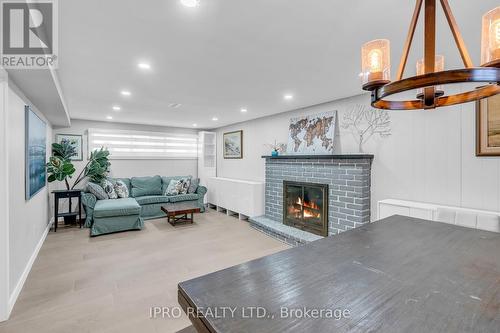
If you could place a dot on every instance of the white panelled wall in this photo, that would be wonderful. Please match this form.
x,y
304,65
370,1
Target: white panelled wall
x,y
29,220
430,156
24,224
4,200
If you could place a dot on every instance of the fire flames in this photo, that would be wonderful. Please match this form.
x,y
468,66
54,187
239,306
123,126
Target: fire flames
x,y
311,209
308,204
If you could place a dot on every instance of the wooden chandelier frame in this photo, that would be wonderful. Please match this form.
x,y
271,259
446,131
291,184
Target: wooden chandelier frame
x,y
488,74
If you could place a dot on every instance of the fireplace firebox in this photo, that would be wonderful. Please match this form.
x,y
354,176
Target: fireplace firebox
x,y
305,206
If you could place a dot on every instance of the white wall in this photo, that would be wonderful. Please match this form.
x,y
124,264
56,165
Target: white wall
x,y
4,201
28,220
133,168
430,156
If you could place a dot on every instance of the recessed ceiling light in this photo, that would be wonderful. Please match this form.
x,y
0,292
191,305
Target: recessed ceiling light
x,y
143,65
244,110
174,105
126,93
116,108
191,3
215,118
109,118
195,125
288,97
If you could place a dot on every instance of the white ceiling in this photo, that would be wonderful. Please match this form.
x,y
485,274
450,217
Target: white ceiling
x,y
229,54
43,89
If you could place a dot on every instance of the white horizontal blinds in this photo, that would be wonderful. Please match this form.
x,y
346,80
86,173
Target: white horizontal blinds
x,y
144,145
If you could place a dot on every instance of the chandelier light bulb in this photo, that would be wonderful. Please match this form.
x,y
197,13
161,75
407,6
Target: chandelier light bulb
x,y
375,63
497,31
496,28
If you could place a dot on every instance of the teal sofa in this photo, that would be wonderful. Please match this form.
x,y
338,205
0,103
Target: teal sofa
x,y
144,203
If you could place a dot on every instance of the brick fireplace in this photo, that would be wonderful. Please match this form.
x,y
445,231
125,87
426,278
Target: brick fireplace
x,y
347,178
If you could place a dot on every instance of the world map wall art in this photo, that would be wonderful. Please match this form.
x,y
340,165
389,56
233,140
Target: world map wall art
x,y
312,134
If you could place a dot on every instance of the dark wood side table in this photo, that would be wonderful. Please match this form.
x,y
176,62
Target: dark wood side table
x,y
67,194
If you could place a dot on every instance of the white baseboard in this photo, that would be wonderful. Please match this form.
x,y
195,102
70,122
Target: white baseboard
x,y
17,290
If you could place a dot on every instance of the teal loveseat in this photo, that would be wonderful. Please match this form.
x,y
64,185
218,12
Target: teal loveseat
x,y
144,203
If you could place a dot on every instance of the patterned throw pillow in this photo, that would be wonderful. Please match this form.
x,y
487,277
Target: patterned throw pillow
x,y
174,187
186,182
97,190
193,186
109,189
121,189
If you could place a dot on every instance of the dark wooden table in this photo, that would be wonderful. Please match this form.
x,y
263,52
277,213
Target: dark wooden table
x,y
179,211
399,274
67,194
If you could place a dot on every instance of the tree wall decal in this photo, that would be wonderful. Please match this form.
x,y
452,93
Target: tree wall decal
x,y
364,122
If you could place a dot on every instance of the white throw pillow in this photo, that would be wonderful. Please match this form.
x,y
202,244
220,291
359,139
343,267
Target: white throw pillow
x,y
109,189
121,189
174,187
186,182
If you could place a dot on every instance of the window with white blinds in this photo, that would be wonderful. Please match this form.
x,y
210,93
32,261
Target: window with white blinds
x,y
144,145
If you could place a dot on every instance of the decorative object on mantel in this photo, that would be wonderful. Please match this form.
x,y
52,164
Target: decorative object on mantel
x,y
276,148
312,134
233,145
488,126
75,141
376,65
364,122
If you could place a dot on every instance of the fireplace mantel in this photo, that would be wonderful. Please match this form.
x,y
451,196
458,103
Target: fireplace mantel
x,y
317,157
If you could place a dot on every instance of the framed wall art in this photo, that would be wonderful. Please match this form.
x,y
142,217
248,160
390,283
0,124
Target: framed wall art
x,y
312,134
36,152
75,141
488,126
233,144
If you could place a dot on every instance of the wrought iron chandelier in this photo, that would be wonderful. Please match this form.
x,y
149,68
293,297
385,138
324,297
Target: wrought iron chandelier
x,y
431,75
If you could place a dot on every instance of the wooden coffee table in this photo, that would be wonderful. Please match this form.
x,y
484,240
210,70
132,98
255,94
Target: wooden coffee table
x,y
178,211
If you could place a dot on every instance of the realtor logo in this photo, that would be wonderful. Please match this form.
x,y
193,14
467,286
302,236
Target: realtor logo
x,y
28,34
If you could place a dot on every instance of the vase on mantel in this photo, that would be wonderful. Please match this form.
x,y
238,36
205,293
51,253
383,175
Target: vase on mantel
x,y
360,143
274,153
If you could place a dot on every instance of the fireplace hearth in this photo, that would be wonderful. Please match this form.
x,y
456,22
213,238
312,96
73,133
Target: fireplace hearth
x,y
305,206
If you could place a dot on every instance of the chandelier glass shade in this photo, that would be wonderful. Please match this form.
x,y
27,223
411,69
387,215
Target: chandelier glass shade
x,y
376,60
490,41
431,75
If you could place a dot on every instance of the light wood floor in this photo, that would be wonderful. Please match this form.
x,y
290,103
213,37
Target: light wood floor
x,y
108,283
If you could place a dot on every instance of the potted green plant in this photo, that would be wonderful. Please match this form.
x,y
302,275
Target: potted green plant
x,y
60,167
